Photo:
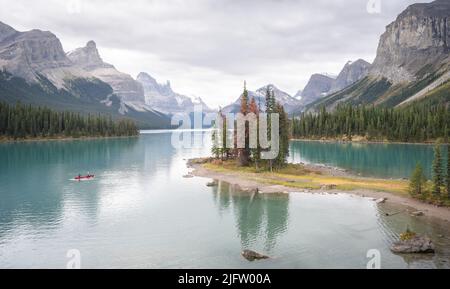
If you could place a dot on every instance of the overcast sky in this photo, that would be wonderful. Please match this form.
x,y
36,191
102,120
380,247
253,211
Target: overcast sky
x,y
208,48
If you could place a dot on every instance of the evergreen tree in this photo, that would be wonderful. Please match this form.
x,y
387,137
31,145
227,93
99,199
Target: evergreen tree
x,y
437,172
215,150
418,123
270,108
417,181
20,121
244,153
255,152
284,137
244,100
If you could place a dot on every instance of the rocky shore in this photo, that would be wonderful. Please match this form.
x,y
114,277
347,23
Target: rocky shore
x,y
247,183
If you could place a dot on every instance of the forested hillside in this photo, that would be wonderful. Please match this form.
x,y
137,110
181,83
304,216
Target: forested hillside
x,y
25,121
425,121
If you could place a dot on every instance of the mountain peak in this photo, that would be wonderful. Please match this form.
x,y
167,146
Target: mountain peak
x,y
351,73
88,57
91,44
164,99
437,8
144,76
361,61
357,62
419,37
6,31
271,87
28,54
289,103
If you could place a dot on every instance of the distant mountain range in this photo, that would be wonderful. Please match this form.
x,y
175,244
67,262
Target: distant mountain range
x,y
36,70
162,98
412,64
290,103
319,86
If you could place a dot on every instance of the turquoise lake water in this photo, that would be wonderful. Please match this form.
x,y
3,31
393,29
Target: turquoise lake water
x,y
374,160
140,212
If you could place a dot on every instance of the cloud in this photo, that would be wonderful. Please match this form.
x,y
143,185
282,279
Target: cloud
x,y
208,48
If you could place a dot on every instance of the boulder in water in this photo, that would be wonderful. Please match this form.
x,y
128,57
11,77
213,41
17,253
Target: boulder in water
x,y
253,256
212,184
381,201
415,245
417,214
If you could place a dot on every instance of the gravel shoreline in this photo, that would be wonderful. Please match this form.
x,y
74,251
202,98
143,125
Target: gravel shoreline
x,y
244,184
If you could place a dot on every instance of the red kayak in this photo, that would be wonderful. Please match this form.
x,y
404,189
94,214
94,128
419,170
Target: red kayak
x,y
81,178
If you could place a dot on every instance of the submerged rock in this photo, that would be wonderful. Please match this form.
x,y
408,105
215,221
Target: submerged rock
x,y
212,184
416,245
417,214
253,256
381,201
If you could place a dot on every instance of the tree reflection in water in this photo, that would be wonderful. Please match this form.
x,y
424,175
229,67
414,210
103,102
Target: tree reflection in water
x,y
259,218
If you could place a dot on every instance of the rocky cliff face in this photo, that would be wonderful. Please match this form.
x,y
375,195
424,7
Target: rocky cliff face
x,y
88,58
419,37
162,97
35,69
6,31
412,62
32,53
351,73
318,86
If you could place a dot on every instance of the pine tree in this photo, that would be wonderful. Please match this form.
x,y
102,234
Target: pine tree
x,y
215,150
244,100
418,123
255,152
269,110
437,172
20,121
417,181
284,137
244,153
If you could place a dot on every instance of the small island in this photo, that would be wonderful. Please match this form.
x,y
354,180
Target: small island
x,y
245,169
314,179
